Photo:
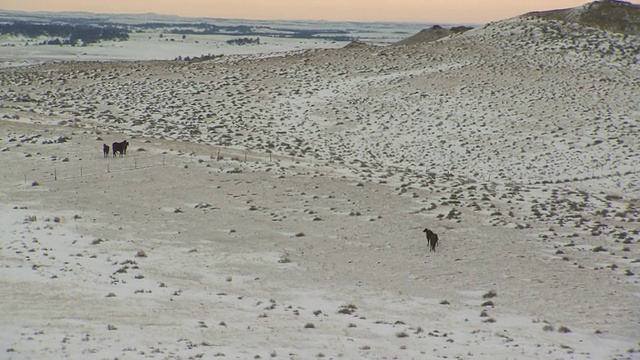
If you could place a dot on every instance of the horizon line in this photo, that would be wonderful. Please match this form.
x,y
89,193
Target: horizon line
x,y
242,19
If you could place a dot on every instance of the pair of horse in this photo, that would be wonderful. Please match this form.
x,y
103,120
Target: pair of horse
x,y
118,147
432,239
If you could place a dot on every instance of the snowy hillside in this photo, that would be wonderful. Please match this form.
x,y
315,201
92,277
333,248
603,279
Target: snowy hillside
x,y
524,100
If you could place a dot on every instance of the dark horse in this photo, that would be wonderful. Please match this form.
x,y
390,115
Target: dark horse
x,y
432,239
105,150
120,147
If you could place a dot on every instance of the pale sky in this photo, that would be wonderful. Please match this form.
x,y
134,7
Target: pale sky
x,y
430,11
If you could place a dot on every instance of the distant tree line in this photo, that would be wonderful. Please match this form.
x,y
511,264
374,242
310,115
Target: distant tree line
x,y
244,41
198,58
66,34
210,29
204,29
83,33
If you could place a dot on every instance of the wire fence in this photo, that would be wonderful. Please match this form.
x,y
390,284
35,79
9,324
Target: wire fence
x,y
65,169
96,165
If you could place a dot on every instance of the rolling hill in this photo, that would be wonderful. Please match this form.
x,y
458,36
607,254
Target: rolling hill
x,y
611,15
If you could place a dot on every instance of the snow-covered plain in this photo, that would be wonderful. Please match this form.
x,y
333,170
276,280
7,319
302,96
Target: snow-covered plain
x,y
271,205
145,46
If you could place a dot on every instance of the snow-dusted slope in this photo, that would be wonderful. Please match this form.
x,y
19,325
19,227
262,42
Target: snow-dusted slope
x,y
523,100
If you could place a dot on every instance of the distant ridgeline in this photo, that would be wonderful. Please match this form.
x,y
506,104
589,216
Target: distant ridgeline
x,y
86,33
65,34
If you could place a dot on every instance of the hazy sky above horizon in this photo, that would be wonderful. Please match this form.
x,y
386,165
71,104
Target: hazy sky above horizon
x,y
430,11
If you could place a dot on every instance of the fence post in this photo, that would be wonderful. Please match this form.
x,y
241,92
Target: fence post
x,y
55,174
80,170
218,155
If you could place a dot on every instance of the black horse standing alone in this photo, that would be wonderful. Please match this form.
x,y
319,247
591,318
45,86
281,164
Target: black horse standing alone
x,y
105,150
432,239
120,147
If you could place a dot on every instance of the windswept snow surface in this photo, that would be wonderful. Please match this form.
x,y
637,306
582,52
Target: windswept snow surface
x,y
272,205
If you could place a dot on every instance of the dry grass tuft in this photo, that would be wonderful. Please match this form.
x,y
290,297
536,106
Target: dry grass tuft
x,y
490,294
347,309
563,329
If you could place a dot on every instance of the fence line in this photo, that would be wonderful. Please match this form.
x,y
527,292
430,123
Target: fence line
x,y
60,171
138,161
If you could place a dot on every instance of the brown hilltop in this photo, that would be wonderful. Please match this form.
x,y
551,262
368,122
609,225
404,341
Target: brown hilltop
x,y
611,15
358,45
434,33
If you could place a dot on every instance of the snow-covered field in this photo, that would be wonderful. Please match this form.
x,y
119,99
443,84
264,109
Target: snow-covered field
x,y
271,205
144,46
